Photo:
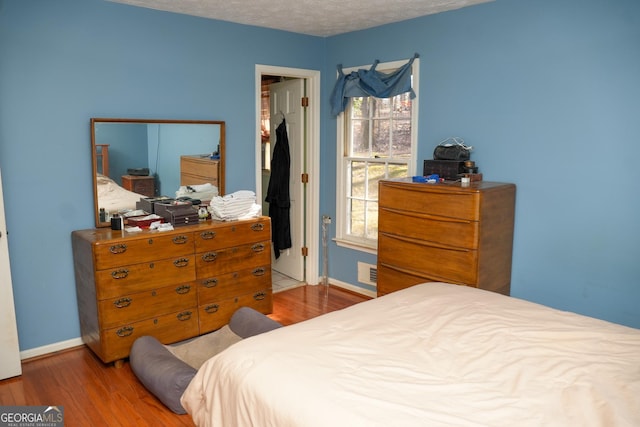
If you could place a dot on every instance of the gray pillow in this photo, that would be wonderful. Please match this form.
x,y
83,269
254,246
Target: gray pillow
x,y
167,376
160,371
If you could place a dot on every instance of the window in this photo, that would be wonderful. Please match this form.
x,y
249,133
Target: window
x,y
377,139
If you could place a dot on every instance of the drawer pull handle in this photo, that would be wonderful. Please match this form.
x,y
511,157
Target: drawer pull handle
x,y
260,271
258,226
180,240
259,296
122,302
124,332
181,262
184,316
210,283
258,247
209,256
118,249
120,274
208,235
212,308
184,289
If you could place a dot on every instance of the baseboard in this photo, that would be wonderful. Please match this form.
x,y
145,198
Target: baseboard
x,y
50,348
353,288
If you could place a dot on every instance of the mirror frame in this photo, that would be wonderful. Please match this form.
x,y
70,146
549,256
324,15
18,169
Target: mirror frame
x,y
94,162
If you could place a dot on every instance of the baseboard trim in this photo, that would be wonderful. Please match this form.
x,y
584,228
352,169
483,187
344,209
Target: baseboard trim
x,y
50,348
352,288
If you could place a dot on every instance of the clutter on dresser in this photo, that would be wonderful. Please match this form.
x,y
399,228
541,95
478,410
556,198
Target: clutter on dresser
x,y
452,161
234,206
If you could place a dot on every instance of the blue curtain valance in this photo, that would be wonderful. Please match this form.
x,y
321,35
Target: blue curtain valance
x,y
370,83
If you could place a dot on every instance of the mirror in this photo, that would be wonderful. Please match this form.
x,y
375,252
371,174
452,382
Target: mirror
x,y
134,158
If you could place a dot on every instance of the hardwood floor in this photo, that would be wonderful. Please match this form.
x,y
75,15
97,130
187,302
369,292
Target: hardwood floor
x,y
95,394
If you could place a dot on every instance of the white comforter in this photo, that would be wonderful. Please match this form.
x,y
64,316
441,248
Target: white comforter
x,y
431,355
114,198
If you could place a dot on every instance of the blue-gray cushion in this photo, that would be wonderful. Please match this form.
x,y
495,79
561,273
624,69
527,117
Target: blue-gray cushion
x,y
160,371
167,376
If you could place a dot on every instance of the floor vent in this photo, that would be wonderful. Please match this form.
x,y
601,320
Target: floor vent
x,y
367,273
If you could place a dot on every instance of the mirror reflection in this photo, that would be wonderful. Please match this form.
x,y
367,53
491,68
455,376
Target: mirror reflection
x,y
140,158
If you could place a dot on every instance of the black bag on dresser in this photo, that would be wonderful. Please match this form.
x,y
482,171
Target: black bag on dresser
x,y
452,149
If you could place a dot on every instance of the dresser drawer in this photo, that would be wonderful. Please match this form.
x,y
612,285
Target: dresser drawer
x,y
447,264
169,328
143,305
237,283
213,263
214,315
130,279
234,234
132,251
449,231
427,199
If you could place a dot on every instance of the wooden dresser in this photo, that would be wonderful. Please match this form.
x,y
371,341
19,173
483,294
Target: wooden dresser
x,y
445,233
145,185
172,285
196,170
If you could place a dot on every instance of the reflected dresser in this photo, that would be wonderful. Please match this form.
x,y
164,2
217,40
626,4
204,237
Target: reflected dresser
x,y
445,232
172,285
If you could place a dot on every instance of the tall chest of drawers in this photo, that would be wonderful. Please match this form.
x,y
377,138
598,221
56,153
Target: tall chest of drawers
x,y
172,285
446,233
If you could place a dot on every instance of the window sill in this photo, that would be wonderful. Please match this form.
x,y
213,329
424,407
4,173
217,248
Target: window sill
x,y
358,246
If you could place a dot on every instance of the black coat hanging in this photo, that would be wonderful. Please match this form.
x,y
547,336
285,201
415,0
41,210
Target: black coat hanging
x,y
278,195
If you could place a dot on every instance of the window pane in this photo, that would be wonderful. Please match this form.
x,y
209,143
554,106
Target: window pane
x,y
360,141
398,170
358,179
401,138
360,108
382,107
357,218
372,220
380,141
376,173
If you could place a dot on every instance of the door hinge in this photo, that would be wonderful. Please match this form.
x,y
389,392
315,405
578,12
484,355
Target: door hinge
x,y
305,251
304,178
305,101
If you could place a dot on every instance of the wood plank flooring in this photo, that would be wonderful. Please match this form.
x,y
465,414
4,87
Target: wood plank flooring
x,y
95,394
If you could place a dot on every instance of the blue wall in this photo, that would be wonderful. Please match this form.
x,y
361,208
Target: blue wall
x,y
547,91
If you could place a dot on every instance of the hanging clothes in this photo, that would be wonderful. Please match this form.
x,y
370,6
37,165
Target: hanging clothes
x,y
278,195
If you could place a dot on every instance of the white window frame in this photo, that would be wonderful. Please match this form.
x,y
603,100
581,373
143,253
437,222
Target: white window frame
x,y
342,238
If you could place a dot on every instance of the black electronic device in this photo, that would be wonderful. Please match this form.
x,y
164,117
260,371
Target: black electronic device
x,y
138,171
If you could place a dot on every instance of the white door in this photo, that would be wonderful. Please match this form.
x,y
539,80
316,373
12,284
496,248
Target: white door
x,y
9,349
286,102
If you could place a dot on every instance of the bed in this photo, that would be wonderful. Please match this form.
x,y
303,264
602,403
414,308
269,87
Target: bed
x,y
114,198
434,354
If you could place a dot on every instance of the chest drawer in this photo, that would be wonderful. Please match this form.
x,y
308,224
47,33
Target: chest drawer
x,y
449,231
233,234
237,283
132,251
215,315
168,328
213,263
143,305
426,199
445,263
129,279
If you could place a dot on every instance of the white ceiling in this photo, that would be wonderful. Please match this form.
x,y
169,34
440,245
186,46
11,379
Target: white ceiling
x,y
314,17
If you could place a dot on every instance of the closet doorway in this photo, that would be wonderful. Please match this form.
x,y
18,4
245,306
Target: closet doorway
x,y
293,96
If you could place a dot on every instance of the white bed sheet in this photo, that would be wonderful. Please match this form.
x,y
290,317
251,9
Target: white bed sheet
x,y
431,355
114,198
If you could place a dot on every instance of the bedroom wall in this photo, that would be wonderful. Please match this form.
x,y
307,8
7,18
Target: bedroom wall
x,y
547,92
65,61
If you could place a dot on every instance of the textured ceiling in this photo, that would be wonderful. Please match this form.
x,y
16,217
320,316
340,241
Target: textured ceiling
x,y
314,17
